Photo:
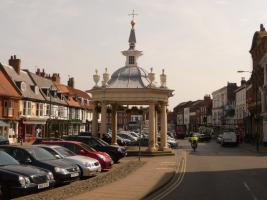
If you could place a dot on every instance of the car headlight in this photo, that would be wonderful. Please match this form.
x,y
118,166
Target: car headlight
x,y
101,157
61,170
24,181
50,176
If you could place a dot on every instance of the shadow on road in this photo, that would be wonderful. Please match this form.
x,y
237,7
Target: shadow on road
x,y
220,185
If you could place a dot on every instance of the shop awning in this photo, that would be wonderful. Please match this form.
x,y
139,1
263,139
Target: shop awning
x,y
3,124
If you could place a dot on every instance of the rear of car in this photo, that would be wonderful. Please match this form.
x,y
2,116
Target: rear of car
x,y
229,138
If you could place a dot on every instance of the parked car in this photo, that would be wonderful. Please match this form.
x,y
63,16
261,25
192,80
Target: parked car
x,y
16,178
128,137
88,166
3,140
85,133
115,152
121,141
85,150
63,171
229,138
39,140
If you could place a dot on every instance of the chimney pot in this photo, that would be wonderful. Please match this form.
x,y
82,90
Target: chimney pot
x,y
15,63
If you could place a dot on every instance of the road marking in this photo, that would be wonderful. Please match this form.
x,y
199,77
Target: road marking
x,y
164,168
250,191
175,182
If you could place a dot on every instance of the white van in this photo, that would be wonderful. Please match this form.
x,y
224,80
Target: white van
x,y
229,138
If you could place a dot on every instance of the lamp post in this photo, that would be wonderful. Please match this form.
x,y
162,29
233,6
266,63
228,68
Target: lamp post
x,y
256,115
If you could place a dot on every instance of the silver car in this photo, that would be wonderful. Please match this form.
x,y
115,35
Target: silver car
x,y
88,166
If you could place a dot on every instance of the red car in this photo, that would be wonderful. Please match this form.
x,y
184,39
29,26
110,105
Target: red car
x,y
84,150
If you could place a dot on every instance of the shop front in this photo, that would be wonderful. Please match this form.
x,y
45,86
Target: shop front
x,y
30,128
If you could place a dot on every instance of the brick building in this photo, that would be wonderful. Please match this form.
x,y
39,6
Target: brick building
x,y
9,107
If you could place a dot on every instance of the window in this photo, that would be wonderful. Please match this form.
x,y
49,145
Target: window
x,y
40,109
27,108
47,110
8,108
131,60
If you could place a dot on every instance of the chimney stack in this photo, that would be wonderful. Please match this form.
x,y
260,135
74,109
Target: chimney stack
x,y
15,63
42,74
71,82
243,81
56,78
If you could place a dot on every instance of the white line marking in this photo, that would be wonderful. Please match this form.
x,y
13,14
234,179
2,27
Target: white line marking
x,y
160,168
248,188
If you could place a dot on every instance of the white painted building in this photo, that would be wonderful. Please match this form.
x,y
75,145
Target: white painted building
x,y
223,105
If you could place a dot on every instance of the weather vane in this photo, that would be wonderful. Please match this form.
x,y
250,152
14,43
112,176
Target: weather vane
x,y
133,14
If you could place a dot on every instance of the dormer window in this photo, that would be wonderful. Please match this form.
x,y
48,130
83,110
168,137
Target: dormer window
x,y
131,60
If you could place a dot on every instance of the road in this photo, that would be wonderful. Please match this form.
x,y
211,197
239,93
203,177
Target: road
x,y
221,173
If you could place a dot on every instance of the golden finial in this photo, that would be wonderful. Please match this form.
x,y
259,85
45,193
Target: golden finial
x,y
133,14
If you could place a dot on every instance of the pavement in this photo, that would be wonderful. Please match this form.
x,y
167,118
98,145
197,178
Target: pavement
x,y
155,173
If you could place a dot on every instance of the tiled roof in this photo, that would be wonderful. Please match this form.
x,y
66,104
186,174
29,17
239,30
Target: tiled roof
x,y
42,83
72,93
6,87
24,78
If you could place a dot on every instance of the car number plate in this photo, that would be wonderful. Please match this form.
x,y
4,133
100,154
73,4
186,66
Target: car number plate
x,y
74,175
43,185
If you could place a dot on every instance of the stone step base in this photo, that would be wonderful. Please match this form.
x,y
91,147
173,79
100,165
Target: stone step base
x,y
147,153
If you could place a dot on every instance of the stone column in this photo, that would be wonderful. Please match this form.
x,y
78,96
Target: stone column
x,y
152,146
163,125
103,128
156,129
114,125
95,122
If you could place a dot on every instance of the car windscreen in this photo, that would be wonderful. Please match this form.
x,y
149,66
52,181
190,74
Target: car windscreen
x,y
6,159
40,154
88,148
64,152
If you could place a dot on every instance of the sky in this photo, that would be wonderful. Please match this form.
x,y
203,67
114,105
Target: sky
x,y
200,44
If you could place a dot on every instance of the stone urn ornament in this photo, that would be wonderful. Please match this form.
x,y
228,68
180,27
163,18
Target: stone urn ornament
x,y
96,78
163,79
151,77
105,77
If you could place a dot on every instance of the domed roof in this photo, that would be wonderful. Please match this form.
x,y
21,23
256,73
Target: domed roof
x,y
129,77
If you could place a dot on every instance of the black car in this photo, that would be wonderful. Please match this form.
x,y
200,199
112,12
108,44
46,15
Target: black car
x,y
115,152
62,170
16,178
3,140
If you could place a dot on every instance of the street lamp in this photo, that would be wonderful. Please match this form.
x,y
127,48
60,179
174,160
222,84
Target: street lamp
x,y
256,117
